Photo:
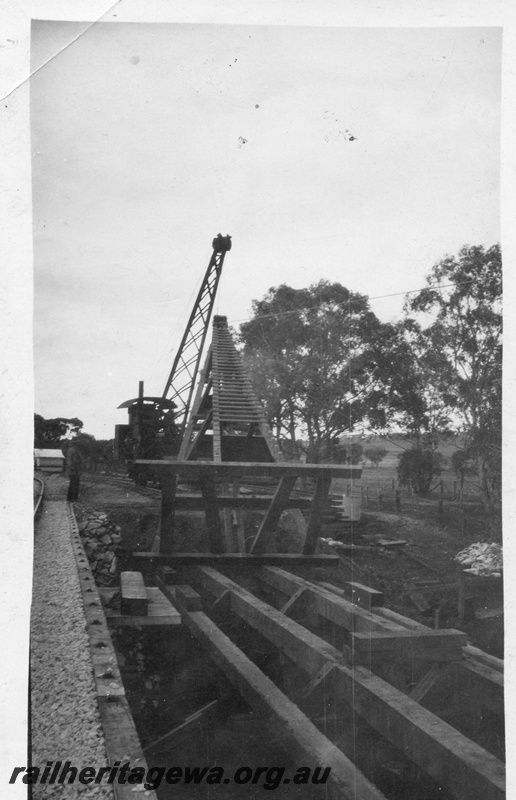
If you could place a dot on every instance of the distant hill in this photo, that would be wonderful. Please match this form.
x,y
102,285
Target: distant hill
x,y
397,442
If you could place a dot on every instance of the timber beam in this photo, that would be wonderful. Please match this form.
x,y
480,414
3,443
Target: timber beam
x,y
264,696
236,469
273,514
329,606
148,561
193,502
480,672
432,645
467,770
315,520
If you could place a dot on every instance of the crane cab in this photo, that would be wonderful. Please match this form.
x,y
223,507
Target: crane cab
x,y
151,432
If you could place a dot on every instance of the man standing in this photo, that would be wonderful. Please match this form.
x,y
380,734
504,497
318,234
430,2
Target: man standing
x,y
74,464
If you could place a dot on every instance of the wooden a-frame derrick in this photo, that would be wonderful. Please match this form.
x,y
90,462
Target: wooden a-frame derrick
x,y
227,426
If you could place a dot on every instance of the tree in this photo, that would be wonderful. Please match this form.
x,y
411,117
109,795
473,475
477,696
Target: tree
x,y
375,454
350,453
418,467
94,452
463,463
318,361
462,348
53,433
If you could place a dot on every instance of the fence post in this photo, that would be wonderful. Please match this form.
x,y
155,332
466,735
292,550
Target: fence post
x,y
380,500
441,496
367,495
398,500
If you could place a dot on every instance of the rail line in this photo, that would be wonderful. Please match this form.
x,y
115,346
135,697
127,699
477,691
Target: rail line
x,y
39,490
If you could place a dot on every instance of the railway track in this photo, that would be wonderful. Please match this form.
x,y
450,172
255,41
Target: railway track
x,y
38,492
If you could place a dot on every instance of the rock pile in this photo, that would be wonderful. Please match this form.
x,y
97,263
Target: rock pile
x,y
482,558
101,540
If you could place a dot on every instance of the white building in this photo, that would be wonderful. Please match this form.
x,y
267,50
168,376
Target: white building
x,y
48,460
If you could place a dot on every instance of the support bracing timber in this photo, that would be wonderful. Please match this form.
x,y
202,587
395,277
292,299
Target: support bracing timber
x,y
299,732
449,757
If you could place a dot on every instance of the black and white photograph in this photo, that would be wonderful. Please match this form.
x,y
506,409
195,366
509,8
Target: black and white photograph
x,y
265,384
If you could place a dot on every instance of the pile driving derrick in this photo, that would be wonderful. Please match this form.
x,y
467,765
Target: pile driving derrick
x,y
228,441
227,422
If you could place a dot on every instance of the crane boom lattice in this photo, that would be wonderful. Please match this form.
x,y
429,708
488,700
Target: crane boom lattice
x,y
183,375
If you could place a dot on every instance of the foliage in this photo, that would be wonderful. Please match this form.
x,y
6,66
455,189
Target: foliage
x,y
350,453
54,433
418,467
461,351
375,454
320,361
94,452
60,433
463,463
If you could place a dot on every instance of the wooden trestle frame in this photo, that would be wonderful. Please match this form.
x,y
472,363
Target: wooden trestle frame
x,y
228,439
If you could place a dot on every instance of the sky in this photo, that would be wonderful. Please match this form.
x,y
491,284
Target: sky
x,y
149,139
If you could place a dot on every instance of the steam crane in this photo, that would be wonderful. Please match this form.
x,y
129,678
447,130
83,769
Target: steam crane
x,y
156,424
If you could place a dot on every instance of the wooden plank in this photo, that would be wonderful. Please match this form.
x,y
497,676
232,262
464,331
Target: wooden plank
x,y
432,645
273,515
189,450
470,654
134,598
188,598
363,595
236,469
167,574
296,602
262,694
211,513
150,560
399,619
122,743
481,670
160,613
484,658
457,763
294,640
464,768
334,608
322,487
485,682
167,522
430,679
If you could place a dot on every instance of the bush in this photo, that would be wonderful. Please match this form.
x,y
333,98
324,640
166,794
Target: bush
x,y
375,454
418,467
347,453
